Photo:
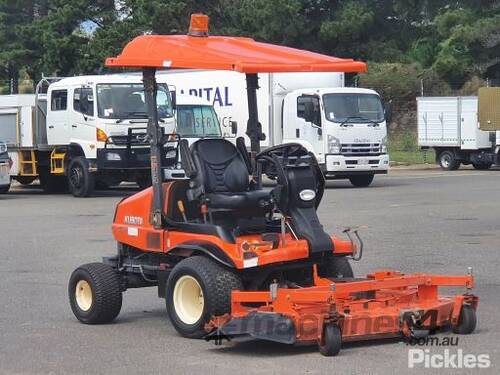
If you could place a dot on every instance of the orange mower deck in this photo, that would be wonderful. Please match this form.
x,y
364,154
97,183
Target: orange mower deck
x,y
385,304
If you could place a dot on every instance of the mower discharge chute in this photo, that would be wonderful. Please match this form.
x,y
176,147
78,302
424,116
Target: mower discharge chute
x,y
232,258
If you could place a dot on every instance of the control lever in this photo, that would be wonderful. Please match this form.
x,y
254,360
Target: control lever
x,y
180,205
356,241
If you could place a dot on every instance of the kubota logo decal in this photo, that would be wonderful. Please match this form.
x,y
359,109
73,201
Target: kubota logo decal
x,y
134,220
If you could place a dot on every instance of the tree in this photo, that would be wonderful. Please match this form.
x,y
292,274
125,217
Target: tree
x,y
15,17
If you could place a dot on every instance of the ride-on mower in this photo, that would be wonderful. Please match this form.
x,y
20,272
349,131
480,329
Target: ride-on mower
x,y
232,258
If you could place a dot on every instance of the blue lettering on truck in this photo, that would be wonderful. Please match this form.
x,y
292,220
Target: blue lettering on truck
x,y
216,95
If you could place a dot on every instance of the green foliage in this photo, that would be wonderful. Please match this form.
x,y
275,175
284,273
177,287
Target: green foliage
x,y
394,81
456,39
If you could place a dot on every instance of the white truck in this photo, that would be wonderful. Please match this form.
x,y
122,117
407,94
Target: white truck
x,y
87,131
344,127
450,126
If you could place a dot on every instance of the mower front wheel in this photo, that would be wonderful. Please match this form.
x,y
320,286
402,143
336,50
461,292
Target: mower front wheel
x,y
331,341
95,294
467,321
197,289
335,268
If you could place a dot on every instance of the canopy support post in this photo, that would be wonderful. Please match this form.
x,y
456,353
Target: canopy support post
x,y
254,128
155,141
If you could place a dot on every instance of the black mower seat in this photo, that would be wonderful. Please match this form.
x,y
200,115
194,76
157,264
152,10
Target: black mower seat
x,y
223,176
248,199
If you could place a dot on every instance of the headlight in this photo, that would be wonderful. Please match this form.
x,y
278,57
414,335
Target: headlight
x,y
383,145
333,145
113,156
3,147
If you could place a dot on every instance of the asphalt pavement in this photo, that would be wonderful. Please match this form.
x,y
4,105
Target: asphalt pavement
x,y
411,220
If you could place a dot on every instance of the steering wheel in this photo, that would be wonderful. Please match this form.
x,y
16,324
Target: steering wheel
x,y
282,153
274,161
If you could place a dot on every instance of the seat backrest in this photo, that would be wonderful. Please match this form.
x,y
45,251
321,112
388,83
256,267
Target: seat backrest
x,y
220,166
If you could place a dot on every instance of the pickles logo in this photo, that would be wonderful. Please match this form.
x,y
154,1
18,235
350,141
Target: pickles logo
x,y
447,359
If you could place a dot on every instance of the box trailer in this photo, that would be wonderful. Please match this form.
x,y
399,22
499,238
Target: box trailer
x,y
344,127
450,126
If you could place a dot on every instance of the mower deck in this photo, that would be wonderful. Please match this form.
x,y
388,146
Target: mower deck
x,y
385,304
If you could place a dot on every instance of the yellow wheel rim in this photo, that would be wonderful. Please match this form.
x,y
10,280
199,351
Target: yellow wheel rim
x,y
83,295
188,299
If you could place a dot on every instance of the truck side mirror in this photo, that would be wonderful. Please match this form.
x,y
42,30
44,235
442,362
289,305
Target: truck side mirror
x,y
388,111
173,96
320,131
234,127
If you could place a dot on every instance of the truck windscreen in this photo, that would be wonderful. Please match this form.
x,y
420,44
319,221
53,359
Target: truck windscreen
x,y
353,108
126,101
197,121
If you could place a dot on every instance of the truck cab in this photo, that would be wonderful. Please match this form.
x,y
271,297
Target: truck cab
x,y
103,118
344,127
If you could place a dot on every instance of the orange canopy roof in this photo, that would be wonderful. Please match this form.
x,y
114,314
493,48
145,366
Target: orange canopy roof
x,y
244,55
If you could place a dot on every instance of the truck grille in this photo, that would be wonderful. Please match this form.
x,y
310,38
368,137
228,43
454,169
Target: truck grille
x,y
360,149
132,140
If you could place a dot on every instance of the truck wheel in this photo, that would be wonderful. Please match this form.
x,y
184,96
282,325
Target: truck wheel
x,y
448,161
25,180
81,181
4,189
331,340
95,294
336,268
362,180
198,289
482,166
467,321
52,184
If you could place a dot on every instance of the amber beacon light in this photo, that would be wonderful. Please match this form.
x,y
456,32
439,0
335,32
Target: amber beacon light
x,y
198,25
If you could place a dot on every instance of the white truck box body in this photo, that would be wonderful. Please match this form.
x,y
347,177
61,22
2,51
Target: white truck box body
x,y
450,122
227,91
17,120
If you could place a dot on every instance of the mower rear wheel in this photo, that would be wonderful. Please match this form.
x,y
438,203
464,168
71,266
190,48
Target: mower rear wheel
x,y
331,341
467,321
95,294
197,289
336,268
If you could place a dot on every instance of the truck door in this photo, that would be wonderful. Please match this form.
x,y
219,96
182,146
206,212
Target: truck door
x,y
308,123
82,119
58,131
